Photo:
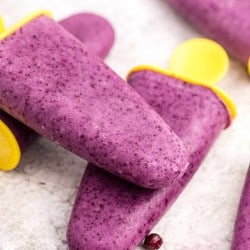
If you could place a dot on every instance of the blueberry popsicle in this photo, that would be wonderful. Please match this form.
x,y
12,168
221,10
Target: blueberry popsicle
x,y
227,22
98,36
98,39
55,86
187,108
241,239
110,213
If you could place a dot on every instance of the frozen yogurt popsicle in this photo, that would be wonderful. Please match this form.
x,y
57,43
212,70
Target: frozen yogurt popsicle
x,y
110,213
98,36
241,237
224,21
55,86
99,39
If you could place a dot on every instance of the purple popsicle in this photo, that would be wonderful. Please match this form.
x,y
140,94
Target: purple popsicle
x,y
241,237
227,22
110,213
98,36
99,39
56,87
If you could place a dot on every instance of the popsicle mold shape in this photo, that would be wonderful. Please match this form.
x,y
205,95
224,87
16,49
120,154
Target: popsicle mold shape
x,y
110,213
225,21
56,87
94,30
241,240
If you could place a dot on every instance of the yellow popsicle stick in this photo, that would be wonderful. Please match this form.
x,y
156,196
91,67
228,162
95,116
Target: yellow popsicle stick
x,y
2,26
225,98
10,152
248,66
201,60
24,21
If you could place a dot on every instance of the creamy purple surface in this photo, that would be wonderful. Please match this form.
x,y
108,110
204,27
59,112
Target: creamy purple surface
x,y
241,236
54,85
227,22
110,213
98,36
99,39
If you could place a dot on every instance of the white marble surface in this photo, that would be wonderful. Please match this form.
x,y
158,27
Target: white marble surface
x,y
36,199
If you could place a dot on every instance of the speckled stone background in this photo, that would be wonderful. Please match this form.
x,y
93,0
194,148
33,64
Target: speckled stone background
x,y
36,199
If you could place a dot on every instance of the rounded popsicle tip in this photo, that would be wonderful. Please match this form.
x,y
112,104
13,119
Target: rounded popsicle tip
x,y
10,152
158,178
79,240
201,60
94,31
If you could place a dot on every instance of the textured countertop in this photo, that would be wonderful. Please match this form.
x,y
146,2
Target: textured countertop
x,y
36,199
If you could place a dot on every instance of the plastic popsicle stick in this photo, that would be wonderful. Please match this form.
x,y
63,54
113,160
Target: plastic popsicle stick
x,y
248,66
227,100
2,25
204,62
9,149
200,60
10,152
